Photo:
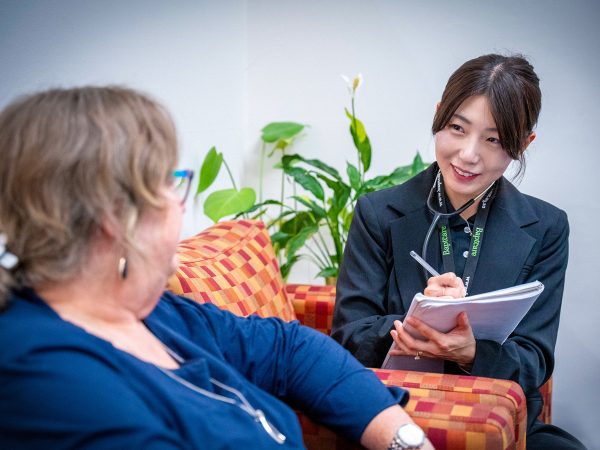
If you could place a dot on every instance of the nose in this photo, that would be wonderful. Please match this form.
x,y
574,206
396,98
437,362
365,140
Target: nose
x,y
469,152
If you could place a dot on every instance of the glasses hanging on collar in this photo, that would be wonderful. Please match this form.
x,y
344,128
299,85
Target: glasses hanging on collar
x,y
438,214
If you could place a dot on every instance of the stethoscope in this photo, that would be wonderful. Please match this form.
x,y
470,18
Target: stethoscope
x,y
437,215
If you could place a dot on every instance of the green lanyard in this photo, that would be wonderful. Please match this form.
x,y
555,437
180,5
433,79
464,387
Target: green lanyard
x,y
481,217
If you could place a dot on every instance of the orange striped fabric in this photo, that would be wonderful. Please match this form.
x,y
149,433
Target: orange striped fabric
x,y
233,266
467,390
313,305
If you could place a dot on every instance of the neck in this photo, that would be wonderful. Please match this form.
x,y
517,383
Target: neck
x,y
88,300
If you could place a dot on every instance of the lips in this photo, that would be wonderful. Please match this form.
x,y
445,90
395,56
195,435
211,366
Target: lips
x,y
463,174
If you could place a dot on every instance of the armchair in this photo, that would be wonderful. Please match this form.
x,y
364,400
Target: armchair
x,y
233,265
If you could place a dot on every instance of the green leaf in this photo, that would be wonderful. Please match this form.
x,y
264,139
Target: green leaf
x,y
209,170
290,160
347,220
280,238
287,266
227,202
276,131
356,126
401,174
298,241
328,272
361,140
306,180
418,165
340,198
301,220
318,212
353,176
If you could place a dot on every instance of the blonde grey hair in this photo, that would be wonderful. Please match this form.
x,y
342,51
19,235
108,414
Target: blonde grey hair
x,y
72,158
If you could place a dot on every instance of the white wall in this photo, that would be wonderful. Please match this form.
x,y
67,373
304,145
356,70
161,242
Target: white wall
x,y
226,68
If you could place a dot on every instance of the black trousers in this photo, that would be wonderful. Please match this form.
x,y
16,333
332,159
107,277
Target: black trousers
x,y
542,436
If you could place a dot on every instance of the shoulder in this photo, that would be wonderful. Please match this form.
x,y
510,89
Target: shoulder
x,y
29,328
529,212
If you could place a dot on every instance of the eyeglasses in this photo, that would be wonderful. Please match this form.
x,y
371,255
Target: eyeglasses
x,y
183,183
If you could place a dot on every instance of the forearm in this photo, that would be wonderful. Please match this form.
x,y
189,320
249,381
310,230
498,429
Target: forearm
x,y
380,431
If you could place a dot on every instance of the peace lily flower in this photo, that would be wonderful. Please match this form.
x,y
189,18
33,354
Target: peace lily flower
x,y
353,84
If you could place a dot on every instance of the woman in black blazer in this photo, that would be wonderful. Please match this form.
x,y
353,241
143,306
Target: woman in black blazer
x,y
484,121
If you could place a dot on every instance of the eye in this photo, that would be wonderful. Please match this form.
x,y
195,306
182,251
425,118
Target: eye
x,y
456,127
494,140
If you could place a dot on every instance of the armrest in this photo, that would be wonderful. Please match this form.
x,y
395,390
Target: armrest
x,y
313,305
448,425
457,411
465,390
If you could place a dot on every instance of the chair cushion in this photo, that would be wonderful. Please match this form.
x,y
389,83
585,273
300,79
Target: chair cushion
x,y
233,266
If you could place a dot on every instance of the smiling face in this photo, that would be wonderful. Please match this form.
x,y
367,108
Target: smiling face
x,y
468,151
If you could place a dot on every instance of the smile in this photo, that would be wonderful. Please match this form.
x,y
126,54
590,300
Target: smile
x,y
463,173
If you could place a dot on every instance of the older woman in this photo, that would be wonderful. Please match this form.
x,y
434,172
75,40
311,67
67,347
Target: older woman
x,y
94,353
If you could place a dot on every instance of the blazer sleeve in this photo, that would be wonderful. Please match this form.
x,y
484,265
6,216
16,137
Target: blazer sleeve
x,y
527,356
361,322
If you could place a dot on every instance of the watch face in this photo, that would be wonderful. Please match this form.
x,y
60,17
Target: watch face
x,y
411,435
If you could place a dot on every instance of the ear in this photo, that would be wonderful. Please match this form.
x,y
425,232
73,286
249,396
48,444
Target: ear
x,y
109,228
437,106
529,140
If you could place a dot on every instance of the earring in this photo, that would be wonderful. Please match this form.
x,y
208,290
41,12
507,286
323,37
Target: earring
x,y
123,267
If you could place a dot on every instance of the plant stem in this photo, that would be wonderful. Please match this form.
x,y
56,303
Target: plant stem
x,y
322,249
357,140
319,262
261,172
282,196
230,175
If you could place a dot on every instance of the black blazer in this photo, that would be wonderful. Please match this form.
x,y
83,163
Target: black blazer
x,y
526,239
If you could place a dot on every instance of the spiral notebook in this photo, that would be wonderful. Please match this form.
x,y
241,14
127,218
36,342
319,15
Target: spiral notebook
x,y
492,315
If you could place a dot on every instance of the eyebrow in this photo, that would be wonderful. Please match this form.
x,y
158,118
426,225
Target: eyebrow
x,y
468,122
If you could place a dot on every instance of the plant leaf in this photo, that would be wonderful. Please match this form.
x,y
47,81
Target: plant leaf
x,y
276,131
290,160
418,165
287,267
318,212
353,176
298,241
360,131
328,272
227,202
306,180
209,170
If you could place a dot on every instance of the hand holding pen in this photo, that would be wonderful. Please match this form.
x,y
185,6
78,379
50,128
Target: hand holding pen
x,y
446,285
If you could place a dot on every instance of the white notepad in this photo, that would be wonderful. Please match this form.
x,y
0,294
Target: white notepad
x,y
492,315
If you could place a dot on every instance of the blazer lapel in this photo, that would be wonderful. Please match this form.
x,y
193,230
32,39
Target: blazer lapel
x,y
408,231
505,246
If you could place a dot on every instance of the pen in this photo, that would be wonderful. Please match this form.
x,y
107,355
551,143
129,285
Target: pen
x,y
421,261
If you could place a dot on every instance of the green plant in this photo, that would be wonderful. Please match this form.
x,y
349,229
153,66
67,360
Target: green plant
x,y
313,224
224,202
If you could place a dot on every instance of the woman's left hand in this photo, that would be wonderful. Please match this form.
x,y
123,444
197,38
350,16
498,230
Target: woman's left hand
x,y
456,345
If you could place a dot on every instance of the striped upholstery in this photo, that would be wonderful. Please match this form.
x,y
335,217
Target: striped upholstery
x,y
233,266
313,305
450,425
464,392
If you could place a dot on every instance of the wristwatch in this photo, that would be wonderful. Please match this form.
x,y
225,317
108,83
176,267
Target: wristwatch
x,y
408,437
